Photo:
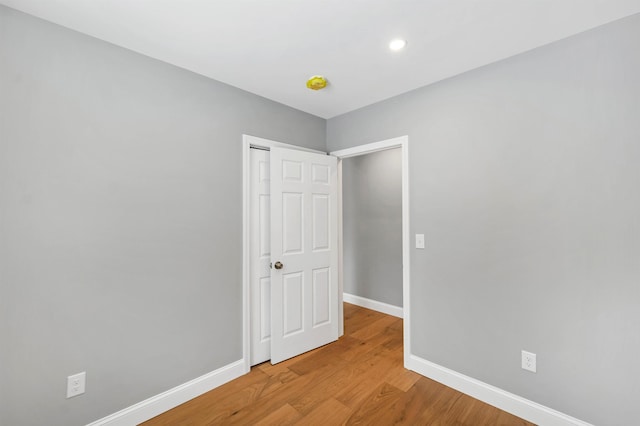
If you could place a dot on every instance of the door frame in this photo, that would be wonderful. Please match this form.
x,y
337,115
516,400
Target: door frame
x,y
401,142
249,141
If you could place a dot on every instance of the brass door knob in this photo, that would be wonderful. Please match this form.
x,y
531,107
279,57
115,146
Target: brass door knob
x,y
278,265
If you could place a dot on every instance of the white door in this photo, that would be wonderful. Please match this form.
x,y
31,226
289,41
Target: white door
x,y
304,239
260,256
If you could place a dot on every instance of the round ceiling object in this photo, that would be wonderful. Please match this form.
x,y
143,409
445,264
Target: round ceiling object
x,y
317,82
397,44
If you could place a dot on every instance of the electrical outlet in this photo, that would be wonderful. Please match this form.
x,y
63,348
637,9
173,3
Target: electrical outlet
x,y
528,361
76,384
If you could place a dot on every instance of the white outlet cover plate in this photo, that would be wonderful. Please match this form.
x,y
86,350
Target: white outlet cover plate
x,y
76,384
529,361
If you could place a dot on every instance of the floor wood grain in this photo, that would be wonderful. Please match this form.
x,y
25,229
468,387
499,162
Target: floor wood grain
x,y
357,380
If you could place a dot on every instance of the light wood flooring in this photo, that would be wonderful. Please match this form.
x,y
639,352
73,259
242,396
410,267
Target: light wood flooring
x,y
357,380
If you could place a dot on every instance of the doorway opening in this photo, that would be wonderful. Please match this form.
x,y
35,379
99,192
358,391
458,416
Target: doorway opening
x,y
401,144
372,230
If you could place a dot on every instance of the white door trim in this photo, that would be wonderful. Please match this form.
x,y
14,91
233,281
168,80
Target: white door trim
x,y
247,142
401,142
268,144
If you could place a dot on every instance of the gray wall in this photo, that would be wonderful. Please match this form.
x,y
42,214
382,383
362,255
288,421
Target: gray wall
x,y
524,177
372,218
120,221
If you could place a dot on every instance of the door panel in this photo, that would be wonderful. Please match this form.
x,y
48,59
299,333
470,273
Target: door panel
x,y
292,222
264,224
304,293
291,171
265,314
320,222
320,174
293,292
321,294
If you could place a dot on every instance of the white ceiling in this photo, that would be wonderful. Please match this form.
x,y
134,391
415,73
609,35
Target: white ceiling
x,y
271,47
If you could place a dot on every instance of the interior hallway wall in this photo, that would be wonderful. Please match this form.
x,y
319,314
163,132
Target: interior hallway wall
x,y
524,179
120,221
372,226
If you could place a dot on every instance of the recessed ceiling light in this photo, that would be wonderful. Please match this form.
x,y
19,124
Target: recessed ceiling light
x,y
397,44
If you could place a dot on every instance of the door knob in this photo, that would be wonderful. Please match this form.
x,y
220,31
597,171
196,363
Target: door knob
x,y
278,265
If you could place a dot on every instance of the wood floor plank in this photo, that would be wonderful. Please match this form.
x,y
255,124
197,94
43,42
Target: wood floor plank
x,y
273,400
285,415
404,410
355,319
376,404
401,378
354,394
358,380
330,412
375,328
322,390
363,347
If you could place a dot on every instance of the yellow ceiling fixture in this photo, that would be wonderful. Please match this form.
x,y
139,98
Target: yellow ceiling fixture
x,y
317,82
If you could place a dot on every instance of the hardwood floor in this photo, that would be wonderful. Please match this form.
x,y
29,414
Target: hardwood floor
x,y
357,380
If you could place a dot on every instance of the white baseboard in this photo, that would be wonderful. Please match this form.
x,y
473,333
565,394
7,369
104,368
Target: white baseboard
x,y
385,308
506,401
165,401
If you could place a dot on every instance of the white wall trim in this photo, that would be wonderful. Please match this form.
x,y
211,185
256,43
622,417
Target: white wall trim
x,y
246,251
370,147
385,308
403,143
149,408
514,404
268,143
340,253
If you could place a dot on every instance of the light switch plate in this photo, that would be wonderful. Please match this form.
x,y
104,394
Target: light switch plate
x,y
419,241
